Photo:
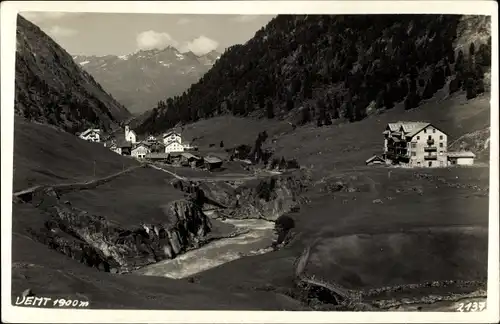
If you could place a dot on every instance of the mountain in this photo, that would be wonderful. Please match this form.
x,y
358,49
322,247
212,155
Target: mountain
x,y
317,68
141,79
50,88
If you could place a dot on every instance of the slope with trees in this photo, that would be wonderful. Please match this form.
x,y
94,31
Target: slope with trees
x,y
319,68
50,88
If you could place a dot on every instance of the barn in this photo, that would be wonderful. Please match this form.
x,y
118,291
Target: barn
x,y
375,160
461,158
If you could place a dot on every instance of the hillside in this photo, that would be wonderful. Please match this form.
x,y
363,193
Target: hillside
x,y
141,79
322,68
347,146
374,227
347,224
45,155
52,255
50,88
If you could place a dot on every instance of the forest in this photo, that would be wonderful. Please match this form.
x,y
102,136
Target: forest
x,y
317,68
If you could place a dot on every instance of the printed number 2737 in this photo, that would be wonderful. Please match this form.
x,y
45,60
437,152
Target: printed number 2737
x,y
471,307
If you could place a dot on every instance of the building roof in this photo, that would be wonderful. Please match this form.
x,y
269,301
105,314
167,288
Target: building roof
x,y
144,143
373,158
212,159
130,131
152,142
123,143
157,155
90,130
140,145
394,126
188,155
170,133
462,154
410,128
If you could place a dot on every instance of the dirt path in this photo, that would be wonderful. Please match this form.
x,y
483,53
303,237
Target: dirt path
x,y
74,185
169,172
221,178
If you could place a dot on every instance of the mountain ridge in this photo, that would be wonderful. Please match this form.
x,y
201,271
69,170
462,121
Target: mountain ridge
x,y
140,79
318,68
50,88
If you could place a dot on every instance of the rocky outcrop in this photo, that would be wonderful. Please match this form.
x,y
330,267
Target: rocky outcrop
x,y
271,197
97,242
265,198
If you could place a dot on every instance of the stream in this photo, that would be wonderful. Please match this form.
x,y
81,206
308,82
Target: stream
x,y
256,241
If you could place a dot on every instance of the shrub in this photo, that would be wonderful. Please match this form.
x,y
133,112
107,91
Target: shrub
x,y
265,189
470,89
282,227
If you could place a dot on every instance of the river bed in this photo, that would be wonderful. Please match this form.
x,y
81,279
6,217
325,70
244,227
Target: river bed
x,y
257,240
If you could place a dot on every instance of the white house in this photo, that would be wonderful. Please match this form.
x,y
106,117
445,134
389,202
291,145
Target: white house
x,y
188,146
140,150
91,135
120,147
130,135
115,148
418,144
174,147
172,137
461,158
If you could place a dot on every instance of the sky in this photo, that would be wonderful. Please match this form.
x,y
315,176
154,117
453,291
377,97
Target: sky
x,y
121,34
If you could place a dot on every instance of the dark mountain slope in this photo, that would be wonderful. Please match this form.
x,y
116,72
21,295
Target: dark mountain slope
x,y
326,67
141,79
51,88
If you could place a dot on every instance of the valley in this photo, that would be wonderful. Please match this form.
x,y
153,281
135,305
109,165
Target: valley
x,y
344,215
293,217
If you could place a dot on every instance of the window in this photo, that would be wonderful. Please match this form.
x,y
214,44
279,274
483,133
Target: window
x,y
430,137
413,145
430,163
440,137
440,144
425,130
413,154
433,130
418,137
